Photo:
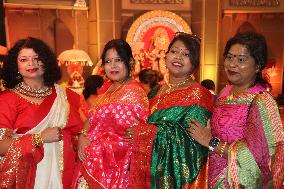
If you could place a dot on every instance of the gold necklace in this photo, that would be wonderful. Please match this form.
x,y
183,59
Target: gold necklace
x,y
165,91
26,90
235,92
176,85
107,95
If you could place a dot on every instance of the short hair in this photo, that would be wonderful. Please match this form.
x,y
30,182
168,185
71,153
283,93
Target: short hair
x,y
52,72
257,48
151,77
124,51
192,43
208,84
91,85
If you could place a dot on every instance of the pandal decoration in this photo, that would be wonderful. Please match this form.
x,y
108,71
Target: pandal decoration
x,y
74,56
150,35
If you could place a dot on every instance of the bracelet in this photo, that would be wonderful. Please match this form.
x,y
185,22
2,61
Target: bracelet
x,y
37,139
83,132
5,133
223,149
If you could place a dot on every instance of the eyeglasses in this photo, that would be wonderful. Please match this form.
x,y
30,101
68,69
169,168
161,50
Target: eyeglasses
x,y
34,59
193,36
115,60
240,58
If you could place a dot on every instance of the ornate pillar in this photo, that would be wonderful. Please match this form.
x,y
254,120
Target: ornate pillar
x,y
206,16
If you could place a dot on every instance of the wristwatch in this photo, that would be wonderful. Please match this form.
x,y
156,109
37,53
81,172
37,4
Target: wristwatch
x,y
213,143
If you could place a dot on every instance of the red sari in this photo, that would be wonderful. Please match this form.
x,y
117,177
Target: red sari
x,y
19,165
108,154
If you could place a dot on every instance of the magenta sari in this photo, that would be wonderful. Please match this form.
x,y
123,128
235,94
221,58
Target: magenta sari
x,y
251,124
108,155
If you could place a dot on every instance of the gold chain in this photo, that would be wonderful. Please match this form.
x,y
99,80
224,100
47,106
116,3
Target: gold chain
x,y
107,95
235,92
176,85
167,89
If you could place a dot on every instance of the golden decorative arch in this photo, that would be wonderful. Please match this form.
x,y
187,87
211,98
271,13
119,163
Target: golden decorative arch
x,y
150,35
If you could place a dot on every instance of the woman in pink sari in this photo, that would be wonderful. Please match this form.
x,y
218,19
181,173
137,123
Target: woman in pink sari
x,y
247,140
106,147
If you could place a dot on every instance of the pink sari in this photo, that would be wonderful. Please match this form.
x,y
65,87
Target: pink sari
x,y
108,155
251,124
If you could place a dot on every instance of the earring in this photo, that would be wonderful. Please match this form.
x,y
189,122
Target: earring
x,y
19,77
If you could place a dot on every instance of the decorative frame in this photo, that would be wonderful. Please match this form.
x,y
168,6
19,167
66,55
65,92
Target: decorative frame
x,y
150,35
156,18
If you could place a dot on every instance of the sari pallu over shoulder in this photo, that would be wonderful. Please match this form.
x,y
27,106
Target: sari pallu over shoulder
x,y
108,154
164,154
48,168
257,159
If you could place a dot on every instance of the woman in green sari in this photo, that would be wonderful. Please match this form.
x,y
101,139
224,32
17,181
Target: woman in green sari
x,y
164,154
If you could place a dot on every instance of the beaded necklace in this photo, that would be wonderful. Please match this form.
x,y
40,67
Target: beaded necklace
x,y
26,90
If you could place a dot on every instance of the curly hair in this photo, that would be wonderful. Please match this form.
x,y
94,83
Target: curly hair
x,y
124,51
257,48
192,43
52,72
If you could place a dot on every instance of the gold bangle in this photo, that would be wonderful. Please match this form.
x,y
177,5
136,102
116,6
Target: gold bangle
x,y
5,133
223,149
83,132
37,139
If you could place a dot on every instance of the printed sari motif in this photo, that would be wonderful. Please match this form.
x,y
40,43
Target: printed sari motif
x,y
108,155
251,124
24,165
165,156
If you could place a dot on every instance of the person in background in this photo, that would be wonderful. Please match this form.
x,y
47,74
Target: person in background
x,y
37,120
89,97
246,141
105,145
150,81
164,155
91,86
210,85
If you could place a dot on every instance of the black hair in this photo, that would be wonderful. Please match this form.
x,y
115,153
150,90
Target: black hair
x,y
192,43
124,51
257,48
91,85
151,77
52,72
208,84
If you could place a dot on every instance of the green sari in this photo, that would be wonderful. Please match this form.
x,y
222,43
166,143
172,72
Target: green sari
x,y
165,156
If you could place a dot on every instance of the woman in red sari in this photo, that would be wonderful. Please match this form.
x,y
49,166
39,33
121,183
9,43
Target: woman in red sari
x,y
105,146
37,120
164,154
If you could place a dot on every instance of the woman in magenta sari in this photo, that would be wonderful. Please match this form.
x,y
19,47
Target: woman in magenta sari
x,y
247,140
164,154
120,103
37,120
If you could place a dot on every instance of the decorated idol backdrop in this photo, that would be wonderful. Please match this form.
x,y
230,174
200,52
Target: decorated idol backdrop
x,y
149,37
